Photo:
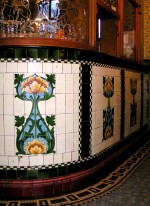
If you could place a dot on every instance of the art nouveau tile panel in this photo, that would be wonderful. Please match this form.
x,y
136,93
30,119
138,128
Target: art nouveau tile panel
x,y
132,102
62,108
145,98
106,107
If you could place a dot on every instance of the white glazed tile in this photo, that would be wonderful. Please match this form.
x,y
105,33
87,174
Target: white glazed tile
x,y
69,103
76,122
1,125
93,120
99,118
117,128
57,68
75,68
47,67
2,67
48,159
98,148
69,83
76,103
57,158
93,106
61,143
116,99
128,97
69,123
13,161
69,142
8,83
60,84
66,68
34,67
60,103
94,70
28,107
22,67
98,135
36,160
76,83
127,84
114,72
101,102
1,104
60,123
2,83
75,141
117,84
2,143
8,104
66,157
9,125
97,84
102,71
12,67
19,107
75,156
50,106
23,160
103,146
117,113
4,160
127,74
42,107
93,137
98,101
9,145
93,150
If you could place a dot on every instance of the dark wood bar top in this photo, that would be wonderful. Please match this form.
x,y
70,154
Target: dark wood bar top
x,y
43,42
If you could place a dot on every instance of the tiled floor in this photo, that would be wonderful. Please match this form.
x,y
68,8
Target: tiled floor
x,y
128,185
134,192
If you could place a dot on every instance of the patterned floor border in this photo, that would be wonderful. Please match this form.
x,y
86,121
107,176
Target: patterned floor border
x,y
105,186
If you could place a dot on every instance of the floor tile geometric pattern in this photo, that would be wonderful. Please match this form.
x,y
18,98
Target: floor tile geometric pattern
x,y
120,188
134,192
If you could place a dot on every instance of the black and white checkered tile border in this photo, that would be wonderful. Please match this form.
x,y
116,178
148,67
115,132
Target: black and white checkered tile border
x,y
90,107
80,110
58,61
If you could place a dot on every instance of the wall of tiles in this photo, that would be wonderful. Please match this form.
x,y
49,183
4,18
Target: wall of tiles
x,y
100,104
87,104
64,105
132,102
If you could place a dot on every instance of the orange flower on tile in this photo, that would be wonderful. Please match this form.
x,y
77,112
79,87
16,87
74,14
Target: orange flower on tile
x,y
35,147
34,84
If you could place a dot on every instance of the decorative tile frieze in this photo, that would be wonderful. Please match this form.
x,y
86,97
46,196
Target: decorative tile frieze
x,y
72,91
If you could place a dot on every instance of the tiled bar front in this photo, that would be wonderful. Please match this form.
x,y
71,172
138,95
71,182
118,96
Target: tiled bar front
x,y
89,107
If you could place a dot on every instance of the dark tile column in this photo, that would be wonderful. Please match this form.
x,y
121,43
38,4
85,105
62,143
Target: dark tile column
x,y
85,110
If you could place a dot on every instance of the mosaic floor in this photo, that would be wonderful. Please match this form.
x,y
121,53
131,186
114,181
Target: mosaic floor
x,y
94,192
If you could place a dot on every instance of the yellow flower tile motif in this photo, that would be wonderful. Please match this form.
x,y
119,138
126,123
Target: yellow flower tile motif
x,y
35,147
